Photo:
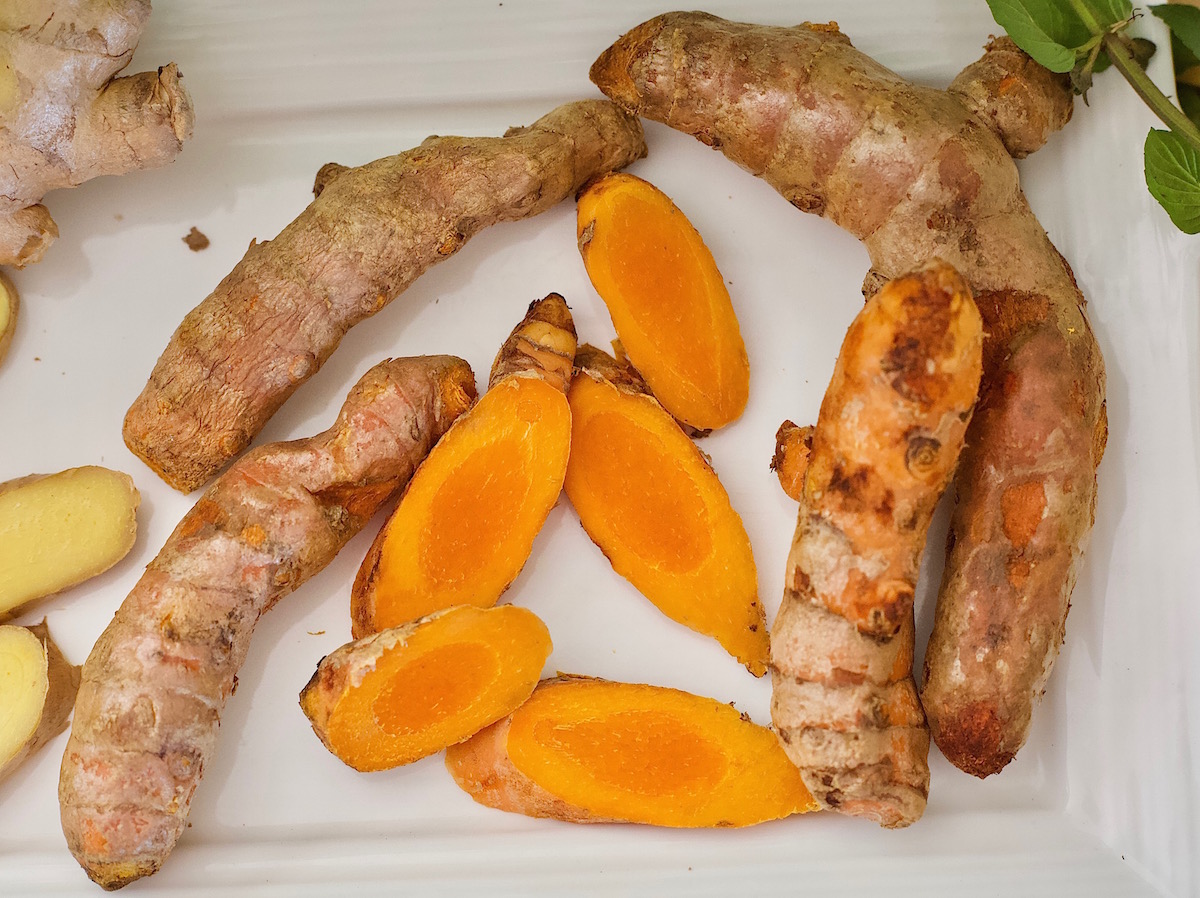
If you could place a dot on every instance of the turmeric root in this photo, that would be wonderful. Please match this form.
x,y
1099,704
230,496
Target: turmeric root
x,y
37,692
591,751
647,497
411,691
467,522
155,683
916,174
370,232
58,530
889,433
65,116
10,305
667,300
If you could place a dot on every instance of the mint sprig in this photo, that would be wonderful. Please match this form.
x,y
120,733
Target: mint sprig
x,y
1085,37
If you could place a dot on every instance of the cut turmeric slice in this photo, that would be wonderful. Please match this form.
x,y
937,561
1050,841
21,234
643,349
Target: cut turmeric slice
x,y
405,693
647,497
667,300
586,751
466,525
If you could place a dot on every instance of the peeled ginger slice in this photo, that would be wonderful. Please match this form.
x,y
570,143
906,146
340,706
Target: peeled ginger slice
x,y
58,530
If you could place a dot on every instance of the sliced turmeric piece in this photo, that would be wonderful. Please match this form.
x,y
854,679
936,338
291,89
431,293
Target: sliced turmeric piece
x,y
405,693
587,751
793,445
647,497
667,299
466,525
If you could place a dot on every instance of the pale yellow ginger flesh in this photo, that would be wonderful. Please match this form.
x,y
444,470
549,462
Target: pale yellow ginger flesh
x,y
37,692
9,306
58,530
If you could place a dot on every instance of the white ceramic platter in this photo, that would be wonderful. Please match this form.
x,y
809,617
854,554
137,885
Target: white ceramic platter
x,y
1102,801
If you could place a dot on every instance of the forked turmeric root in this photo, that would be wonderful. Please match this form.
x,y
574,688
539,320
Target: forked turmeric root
x,y
590,751
466,525
889,433
405,693
647,497
918,173
667,300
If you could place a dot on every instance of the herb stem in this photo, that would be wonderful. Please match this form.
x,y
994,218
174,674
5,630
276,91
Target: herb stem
x,y
1168,112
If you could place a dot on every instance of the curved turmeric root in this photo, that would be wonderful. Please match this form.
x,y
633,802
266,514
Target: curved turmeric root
x,y
409,692
466,525
647,497
884,448
591,751
154,685
667,300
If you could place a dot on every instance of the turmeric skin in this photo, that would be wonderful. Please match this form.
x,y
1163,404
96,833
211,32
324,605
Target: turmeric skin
x,y
586,751
793,444
891,427
667,300
467,523
154,685
405,693
647,497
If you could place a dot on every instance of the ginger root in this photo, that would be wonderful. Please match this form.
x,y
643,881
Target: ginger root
x,y
370,232
648,498
10,305
37,693
57,530
917,174
154,685
65,116
667,300
467,522
890,430
408,692
591,751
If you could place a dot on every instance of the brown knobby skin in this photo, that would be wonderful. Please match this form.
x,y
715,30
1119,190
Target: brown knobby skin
x,y
652,503
918,173
37,693
889,433
65,116
10,306
58,530
793,444
154,685
405,693
584,750
466,524
370,232
667,299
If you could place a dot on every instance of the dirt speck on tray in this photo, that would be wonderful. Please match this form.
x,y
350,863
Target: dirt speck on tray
x,y
195,240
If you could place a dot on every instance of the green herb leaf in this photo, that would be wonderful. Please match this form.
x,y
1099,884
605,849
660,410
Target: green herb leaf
x,y
1107,12
1043,29
1184,22
1173,178
1189,102
1184,58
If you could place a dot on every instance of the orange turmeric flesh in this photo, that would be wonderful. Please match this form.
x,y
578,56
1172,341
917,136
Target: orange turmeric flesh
x,y
585,751
649,500
667,300
405,693
466,525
